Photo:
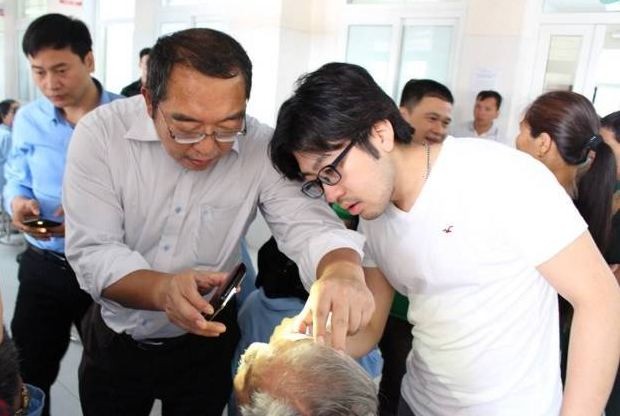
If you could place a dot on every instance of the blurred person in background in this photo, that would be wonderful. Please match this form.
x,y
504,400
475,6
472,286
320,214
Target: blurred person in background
x,y
427,106
561,129
49,299
486,111
610,131
8,108
135,87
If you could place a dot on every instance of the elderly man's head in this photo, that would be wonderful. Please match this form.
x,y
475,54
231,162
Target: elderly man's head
x,y
299,377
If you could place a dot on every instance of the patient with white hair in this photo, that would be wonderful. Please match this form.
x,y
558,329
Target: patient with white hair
x,y
294,376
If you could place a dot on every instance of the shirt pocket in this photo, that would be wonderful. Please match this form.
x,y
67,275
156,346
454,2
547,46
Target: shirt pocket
x,y
217,236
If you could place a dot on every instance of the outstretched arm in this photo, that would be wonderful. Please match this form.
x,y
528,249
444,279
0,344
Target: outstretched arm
x,y
341,291
364,340
579,273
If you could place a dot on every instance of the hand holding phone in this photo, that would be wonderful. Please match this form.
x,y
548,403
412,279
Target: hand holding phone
x,y
226,291
40,223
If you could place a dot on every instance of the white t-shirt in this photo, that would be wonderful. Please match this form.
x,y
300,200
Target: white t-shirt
x,y
485,321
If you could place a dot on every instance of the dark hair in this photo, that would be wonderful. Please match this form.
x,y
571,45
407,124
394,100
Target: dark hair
x,y
336,103
612,122
483,95
9,371
144,52
572,123
5,107
57,31
416,89
207,51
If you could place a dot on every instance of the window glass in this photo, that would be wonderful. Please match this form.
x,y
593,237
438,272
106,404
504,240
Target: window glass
x,y
369,47
580,6
399,1
425,53
562,62
31,9
119,59
117,9
607,93
26,89
170,27
2,71
180,2
211,24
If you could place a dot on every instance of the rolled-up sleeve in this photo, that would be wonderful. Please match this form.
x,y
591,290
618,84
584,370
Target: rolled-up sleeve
x,y
94,214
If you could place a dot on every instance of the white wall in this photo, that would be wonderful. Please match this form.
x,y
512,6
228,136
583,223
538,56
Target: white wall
x,y
490,58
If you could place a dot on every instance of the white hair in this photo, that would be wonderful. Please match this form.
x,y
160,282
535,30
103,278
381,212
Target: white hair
x,y
309,378
262,404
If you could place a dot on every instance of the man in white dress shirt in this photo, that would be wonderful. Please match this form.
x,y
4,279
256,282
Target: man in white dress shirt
x,y
160,188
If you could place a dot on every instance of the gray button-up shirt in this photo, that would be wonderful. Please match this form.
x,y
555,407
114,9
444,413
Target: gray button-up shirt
x,y
468,130
130,206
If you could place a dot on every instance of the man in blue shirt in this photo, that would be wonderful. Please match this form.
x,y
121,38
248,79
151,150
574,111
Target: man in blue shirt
x,y
49,299
8,108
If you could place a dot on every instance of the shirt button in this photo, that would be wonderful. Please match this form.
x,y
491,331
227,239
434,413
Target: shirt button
x,y
177,209
166,247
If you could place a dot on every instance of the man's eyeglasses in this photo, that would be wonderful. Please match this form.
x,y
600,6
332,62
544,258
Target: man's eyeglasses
x,y
221,136
327,175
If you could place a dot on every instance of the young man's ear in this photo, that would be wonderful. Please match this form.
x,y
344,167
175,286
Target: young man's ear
x,y
382,135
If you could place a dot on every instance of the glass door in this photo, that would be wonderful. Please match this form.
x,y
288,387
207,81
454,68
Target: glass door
x,y
562,58
580,58
604,89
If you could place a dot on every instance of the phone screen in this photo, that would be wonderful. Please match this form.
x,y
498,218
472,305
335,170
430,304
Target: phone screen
x,y
223,293
40,223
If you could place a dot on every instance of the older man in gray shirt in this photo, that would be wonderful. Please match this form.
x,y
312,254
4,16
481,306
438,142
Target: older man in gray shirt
x,y
161,185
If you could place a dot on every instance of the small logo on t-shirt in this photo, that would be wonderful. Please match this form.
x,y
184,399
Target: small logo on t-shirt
x,y
448,229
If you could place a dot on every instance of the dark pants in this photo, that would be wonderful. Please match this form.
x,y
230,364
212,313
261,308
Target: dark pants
x,y
189,374
48,301
395,344
403,408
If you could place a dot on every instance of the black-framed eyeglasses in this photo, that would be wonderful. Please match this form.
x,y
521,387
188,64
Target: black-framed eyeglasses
x,y
221,136
327,175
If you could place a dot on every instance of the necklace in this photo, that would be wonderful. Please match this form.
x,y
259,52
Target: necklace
x,y
427,148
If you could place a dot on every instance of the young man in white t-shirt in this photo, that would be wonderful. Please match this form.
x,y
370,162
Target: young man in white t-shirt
x,y
480,256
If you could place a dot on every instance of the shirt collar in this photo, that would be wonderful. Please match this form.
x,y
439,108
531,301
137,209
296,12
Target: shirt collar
x,y
489,132
55,113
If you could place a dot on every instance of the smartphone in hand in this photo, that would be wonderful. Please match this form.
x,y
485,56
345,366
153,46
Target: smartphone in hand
x,y
40,223
226,291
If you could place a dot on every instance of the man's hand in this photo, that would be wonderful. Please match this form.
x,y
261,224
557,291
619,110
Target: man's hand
x,y
339,298
24,208
184,305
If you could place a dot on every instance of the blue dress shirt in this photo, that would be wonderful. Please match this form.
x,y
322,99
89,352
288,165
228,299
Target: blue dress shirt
x,y
36,163
5,148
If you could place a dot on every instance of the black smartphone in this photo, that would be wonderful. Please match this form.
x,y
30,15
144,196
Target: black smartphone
x,y
226,291
41,223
